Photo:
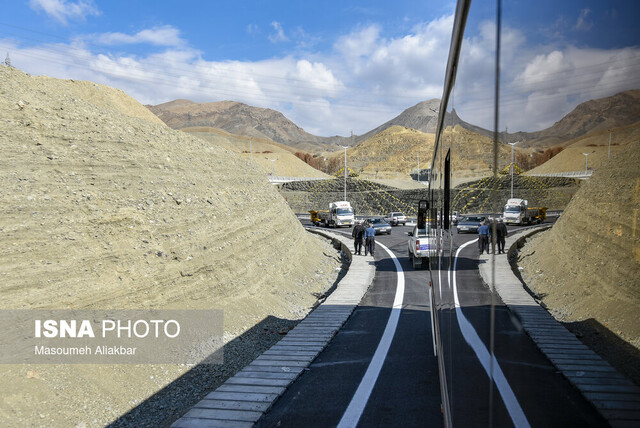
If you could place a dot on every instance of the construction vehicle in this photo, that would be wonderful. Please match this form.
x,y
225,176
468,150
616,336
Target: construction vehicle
x,y
517,211
339,214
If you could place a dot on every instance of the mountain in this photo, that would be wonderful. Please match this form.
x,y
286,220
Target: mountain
x,y
421,117
242,119
616,111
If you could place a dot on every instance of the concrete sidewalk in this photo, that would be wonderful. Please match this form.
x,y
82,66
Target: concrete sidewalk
x,y
615,397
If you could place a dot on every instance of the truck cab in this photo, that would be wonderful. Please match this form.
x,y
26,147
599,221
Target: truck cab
x,y
515,211
340,214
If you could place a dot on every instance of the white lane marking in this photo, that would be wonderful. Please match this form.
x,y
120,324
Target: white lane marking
x,y
471,336
354,411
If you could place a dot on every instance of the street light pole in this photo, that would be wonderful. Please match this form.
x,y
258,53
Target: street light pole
x,y
586,163
345,171
272,161
512,160
418,167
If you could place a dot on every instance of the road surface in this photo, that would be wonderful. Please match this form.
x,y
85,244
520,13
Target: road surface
x,y
404,390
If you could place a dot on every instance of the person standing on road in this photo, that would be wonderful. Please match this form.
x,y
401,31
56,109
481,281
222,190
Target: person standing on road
x,y
369,240
358,234
501,234
483,237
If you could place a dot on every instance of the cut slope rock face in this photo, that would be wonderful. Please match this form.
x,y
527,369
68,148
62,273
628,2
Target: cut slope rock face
x,y
587,266
103,206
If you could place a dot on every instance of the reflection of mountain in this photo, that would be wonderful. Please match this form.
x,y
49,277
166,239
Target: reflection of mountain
x,y
616,111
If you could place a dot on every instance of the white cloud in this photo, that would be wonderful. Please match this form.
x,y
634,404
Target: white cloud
x,y
583,23
63,10
165,35
398,69
360,43
279,36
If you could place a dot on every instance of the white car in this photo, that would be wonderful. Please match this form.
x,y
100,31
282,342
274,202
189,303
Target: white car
x,y
396,218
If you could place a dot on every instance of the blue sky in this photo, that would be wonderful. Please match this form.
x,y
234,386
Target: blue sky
x,y
330,66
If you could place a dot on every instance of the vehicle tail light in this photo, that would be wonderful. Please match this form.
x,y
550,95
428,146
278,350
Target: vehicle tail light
x,y
417,245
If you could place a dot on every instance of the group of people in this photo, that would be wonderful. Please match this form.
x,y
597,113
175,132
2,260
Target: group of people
x,y
484,236
364,231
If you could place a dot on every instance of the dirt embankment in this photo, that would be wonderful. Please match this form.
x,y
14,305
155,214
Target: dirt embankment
x,y
103,206
588,266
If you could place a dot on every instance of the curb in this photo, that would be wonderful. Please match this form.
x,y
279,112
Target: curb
x,y
615,397
244,398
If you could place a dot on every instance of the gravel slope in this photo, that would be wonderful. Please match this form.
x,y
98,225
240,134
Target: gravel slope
x,y
104,206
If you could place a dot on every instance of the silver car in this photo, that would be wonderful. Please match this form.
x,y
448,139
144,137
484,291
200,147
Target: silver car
x,y
380,226
469,223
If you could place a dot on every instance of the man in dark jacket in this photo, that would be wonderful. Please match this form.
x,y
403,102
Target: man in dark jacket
x,y
358,234
501,234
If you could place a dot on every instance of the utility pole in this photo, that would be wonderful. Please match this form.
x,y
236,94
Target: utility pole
x,y
251,149
512,160
609,154
272,161
418,167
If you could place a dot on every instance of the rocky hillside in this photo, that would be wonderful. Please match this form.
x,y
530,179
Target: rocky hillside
x,y
104,206
393,153
587,267
241,119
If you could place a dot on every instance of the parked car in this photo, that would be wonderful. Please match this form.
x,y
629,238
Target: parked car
x,y
396,218
469,223
380,225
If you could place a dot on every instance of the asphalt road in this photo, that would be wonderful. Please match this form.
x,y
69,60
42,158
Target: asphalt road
x,y
406,391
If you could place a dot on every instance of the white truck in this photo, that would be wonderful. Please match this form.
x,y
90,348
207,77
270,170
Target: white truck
x,y
422,246
517,211
339,214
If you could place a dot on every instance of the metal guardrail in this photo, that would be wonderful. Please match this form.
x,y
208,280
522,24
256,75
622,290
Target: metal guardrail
x,y
277,179
570,174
